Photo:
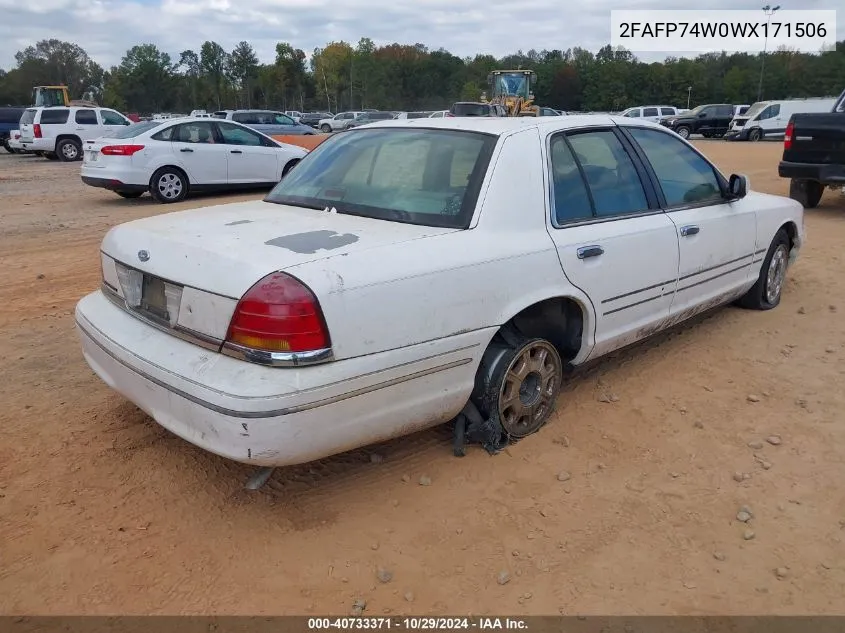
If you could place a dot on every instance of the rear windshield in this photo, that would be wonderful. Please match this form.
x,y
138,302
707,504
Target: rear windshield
x,y
428,177
419,115
131,131
470,109
28,117
56,117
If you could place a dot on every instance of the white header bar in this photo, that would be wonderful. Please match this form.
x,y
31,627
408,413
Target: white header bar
x,y
732,31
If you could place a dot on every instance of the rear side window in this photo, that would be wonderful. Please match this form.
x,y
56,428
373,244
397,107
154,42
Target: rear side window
x,y
650,112
724,111
54,117
28,117
85,117
667,111
246,117
569,191
613,180
219,115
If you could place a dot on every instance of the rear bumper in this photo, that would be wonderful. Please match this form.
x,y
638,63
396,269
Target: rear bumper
x,y
39,145
112,185
276,416
825,174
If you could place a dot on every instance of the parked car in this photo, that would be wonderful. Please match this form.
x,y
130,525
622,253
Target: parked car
x,y
423,114
477,108
769,118
369,117
59,132
712,119
266,121
296,115
9,120
172,158
551,112
338,122
14,145
312,119
650,113
403,275
814,154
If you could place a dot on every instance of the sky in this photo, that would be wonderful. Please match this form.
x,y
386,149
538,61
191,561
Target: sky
x,y
107,28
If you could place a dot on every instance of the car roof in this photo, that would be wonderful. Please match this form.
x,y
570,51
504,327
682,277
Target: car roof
x,y
506,125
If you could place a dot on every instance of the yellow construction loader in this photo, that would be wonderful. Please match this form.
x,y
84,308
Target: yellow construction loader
x,y
56,96
513,90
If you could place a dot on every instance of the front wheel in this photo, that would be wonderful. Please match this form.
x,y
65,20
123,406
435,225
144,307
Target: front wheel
x,y
325,128
518,383
755,134
766,292
807,192
168,185
683,132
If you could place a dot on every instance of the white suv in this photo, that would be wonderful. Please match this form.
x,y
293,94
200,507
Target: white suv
x,y
338,122
58,132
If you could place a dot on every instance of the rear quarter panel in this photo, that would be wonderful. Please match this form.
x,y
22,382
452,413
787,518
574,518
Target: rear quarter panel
x,y
774,212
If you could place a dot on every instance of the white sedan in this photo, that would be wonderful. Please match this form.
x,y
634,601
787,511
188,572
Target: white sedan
x,y
412,271
172,157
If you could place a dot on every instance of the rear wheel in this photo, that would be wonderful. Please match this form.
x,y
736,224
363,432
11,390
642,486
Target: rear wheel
x,y
807,192
129,194
765,294
683,131
69,150
7,147
168,185
518,383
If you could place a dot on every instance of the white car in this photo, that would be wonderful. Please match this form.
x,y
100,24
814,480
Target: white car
x,y
169,158
338,122
412,271
59,132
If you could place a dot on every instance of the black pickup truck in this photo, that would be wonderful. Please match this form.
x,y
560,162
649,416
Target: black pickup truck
x,y
814,153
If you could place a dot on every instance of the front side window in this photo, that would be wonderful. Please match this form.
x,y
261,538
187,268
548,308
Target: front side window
x,y
236,135
633,113
612,179
428,177
110,117
684,176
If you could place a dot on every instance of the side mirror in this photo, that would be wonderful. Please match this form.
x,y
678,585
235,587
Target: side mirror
x,y
738,186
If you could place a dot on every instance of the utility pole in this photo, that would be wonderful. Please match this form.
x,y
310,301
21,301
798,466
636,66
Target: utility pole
x,y
689,95
769,11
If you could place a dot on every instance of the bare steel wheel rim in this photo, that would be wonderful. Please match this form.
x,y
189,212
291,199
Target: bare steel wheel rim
x,y
529,389
69,151
170,186
683,132
776,274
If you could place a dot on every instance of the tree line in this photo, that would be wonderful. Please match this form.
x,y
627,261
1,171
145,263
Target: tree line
x,y
341,76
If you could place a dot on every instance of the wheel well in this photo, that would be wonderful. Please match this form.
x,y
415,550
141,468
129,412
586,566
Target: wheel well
x,y
289,165
559,320
174,168
792,231
72,137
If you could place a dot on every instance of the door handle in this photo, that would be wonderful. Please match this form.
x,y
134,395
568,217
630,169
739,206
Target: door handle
x,y
589,251
186,149
235,151
686,231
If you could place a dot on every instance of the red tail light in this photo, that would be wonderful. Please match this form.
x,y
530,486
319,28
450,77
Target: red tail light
x,y
279,314
449,114
36,130
787,136
120,150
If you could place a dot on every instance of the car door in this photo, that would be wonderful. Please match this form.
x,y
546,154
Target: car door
x,y
651,114
706,121
195,147
86,124
613,241
252,158
716,235
112,122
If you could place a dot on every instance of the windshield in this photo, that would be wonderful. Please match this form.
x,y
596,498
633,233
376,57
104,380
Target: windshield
x,y
131,131
754,110
512,84
428,177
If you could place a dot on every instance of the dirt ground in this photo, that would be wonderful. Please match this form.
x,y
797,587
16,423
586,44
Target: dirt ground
x,y
104,512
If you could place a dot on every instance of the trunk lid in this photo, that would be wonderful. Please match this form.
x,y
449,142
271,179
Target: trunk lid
x,y
226,249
